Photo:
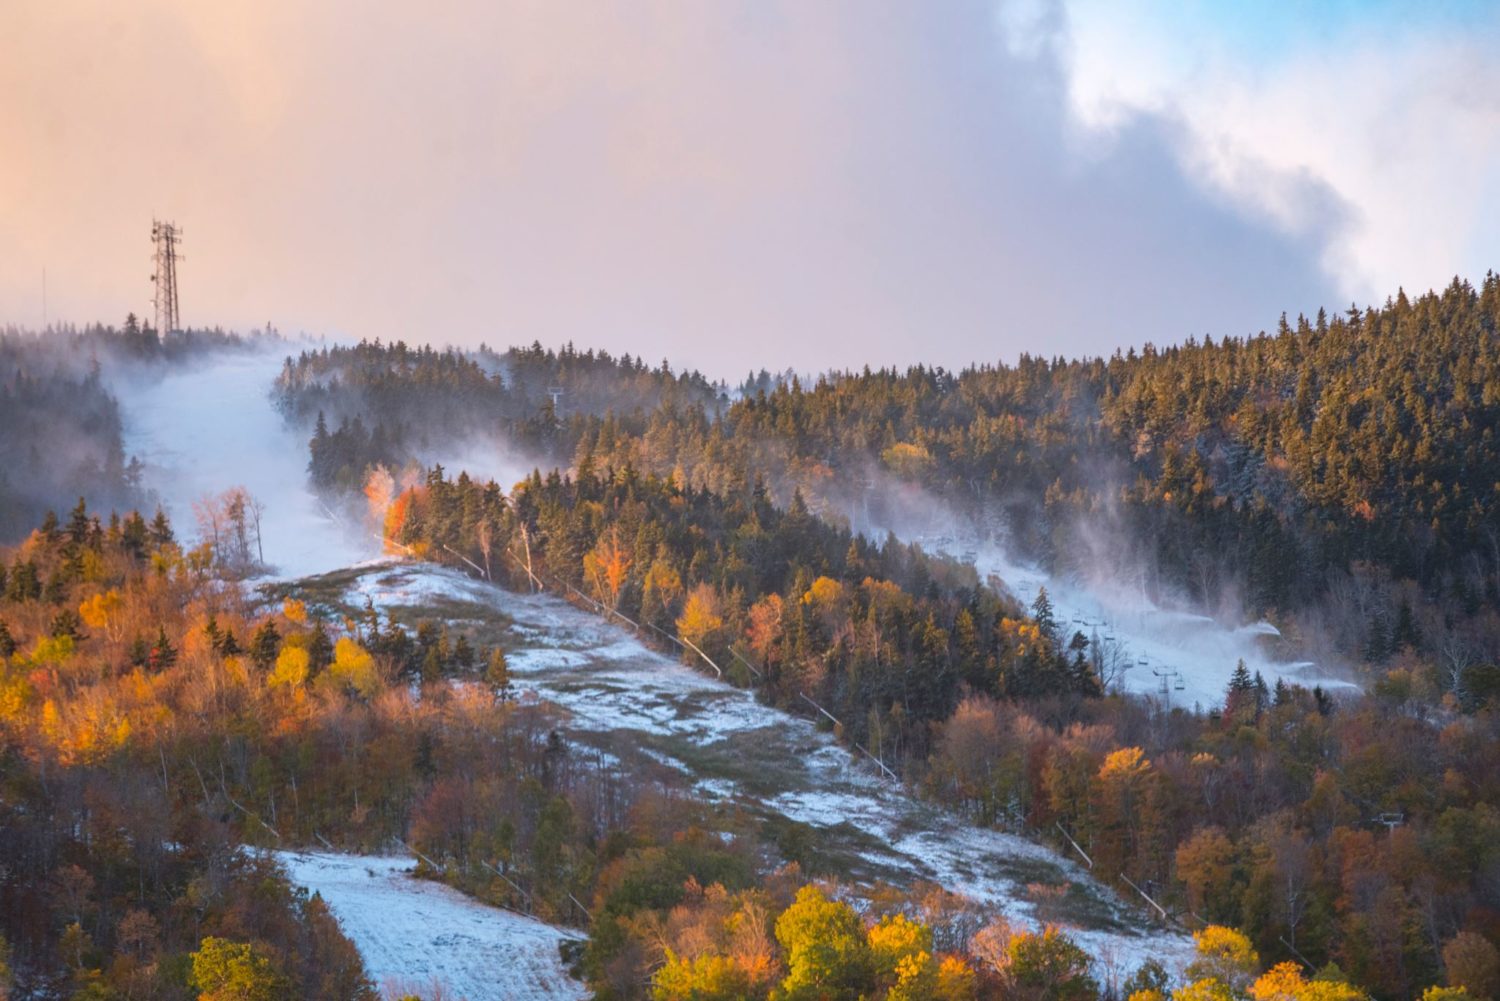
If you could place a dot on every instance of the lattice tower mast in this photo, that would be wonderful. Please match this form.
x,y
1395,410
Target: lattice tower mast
x,y
166,236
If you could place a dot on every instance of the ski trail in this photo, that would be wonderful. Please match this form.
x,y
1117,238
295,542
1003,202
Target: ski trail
x,y
627,700
416,935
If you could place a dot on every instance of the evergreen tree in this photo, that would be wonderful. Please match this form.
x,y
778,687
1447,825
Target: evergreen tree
x,y
1406,635
265,645
161,529
1041,612
163,653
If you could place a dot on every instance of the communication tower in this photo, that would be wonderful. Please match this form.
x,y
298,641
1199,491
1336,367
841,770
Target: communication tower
x,y
165,236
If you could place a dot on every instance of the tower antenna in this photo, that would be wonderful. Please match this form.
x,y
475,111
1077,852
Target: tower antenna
x,y
166,236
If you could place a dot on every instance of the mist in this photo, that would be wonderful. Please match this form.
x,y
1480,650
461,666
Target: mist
x,y
1146,637
203,428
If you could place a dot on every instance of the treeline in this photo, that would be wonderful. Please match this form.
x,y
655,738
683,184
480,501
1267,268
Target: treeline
x,y
391,404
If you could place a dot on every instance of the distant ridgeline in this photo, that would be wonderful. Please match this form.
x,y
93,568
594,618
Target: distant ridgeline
x,y
62,432
388,404
1345,468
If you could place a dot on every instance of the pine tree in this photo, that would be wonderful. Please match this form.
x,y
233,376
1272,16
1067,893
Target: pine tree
x,y
1323,702
163,654
463,653
320,650
78,523
161,529
1240,682
1041,611
432,664
265,645
1283,694
1378,641
133,535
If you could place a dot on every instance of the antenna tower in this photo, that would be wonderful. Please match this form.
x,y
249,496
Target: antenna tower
x,y
165,236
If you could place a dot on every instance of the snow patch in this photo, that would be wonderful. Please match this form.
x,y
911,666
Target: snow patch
x,y
418,935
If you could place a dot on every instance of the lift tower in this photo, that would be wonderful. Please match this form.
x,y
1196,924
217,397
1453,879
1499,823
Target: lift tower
x,y
165,236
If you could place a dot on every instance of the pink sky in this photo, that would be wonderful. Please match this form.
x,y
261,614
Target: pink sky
x,y
731,185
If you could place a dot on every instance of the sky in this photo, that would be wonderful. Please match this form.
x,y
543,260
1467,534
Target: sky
x,y
745,185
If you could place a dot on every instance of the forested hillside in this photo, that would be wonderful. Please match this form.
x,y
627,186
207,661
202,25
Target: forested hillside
x,y
1322,464
1266,814
1339,475
392,404
155,718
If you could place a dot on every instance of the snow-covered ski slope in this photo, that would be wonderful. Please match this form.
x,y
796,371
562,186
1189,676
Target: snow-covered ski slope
x,y
206,427
1193,653
420,937
626,699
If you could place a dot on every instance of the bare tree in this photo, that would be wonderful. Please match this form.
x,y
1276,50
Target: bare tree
x,y
230,523
1457,658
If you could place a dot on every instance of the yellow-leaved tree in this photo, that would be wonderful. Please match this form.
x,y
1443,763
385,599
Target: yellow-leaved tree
x,y
607,567
1226,970
102,612
700,618
354,667
1284,982
291,668
902,953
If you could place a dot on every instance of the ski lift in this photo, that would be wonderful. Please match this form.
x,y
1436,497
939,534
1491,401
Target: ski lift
x,y
1144,661
1181,682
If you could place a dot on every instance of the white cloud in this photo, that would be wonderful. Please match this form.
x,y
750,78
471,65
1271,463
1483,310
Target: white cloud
x,y
1384,134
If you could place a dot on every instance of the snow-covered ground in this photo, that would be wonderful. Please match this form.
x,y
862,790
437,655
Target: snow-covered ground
x,y
416,935
629,699
204,428
1193,653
